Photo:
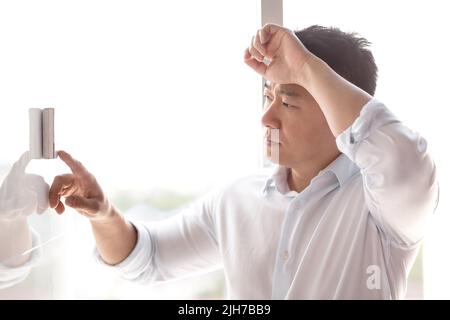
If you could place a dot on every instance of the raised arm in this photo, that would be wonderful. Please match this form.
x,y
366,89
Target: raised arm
x,y
292,63
399,176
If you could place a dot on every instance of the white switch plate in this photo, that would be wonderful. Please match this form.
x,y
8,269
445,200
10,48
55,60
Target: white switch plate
x,y
42,133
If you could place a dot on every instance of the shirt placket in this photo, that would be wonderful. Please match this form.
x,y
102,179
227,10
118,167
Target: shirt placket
x,y
282,274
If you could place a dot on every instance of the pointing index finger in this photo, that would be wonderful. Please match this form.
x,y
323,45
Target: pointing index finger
x,y
73,164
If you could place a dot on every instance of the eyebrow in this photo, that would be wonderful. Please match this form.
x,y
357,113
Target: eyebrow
x,y
288,93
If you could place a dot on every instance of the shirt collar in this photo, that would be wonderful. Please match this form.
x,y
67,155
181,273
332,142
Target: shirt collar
x,y
342,168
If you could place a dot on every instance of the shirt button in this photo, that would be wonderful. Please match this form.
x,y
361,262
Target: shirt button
x,y
421,145
285,255
352,138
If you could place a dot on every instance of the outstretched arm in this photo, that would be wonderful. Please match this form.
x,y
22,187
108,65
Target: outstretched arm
x,y
114,235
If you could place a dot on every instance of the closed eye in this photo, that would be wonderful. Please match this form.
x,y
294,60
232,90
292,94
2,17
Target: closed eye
x,y
267,98
287,105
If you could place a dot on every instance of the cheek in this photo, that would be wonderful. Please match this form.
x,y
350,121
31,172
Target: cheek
x,y
307,136
299,131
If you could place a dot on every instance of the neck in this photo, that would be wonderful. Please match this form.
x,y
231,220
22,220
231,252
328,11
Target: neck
x,y
300,177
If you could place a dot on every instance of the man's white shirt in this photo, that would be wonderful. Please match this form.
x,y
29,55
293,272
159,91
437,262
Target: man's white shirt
x,y
353,233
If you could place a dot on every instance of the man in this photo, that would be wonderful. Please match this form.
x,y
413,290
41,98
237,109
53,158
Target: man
x,y
21,195
343,216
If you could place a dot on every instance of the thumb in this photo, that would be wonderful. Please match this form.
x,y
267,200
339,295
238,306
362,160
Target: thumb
x,y
80,203
265,33
269,30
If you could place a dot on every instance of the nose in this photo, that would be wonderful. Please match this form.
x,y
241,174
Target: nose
x,y
270,118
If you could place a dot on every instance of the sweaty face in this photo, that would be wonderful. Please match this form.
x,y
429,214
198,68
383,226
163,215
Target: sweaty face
x,y
304,134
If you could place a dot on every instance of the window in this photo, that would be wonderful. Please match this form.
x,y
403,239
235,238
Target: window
x,y
155,100
153,97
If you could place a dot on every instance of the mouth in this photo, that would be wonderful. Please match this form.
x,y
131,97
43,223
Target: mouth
x,y
269,139
272,138
269,142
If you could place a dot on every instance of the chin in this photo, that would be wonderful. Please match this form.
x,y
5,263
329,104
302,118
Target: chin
x,y
275,157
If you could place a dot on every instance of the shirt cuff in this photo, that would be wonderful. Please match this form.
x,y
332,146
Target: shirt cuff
x,y
373,115
138,260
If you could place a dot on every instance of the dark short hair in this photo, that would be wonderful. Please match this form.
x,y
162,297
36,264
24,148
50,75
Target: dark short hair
x,y
346,53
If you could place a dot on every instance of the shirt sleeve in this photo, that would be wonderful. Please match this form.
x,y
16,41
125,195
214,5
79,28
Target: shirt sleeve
x,y
10,276
399,176
181,245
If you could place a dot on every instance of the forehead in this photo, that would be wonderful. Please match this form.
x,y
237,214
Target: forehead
x,y
284,87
